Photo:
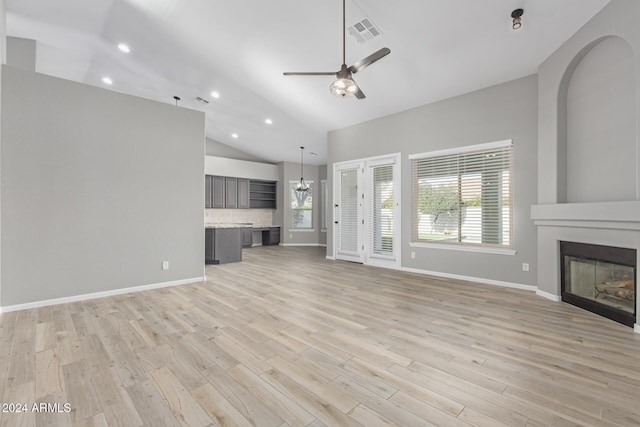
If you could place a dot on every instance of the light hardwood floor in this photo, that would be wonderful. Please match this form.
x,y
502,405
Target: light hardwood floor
x,y
287,338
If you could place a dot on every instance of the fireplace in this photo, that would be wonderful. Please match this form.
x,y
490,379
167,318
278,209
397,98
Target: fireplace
x,y
601,279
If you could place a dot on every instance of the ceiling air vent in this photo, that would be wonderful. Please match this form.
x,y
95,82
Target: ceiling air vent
x,y
201,99
364,30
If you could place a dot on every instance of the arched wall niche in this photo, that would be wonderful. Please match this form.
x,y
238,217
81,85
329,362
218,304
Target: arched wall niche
x,y
597,117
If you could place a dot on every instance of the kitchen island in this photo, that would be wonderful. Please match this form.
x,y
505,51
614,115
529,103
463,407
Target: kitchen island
x,y
223,243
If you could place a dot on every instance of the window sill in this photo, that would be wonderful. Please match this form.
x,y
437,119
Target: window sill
x,y
464,248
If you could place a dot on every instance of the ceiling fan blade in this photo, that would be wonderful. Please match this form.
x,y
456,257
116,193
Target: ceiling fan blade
x,y
359,93
312,73
363,63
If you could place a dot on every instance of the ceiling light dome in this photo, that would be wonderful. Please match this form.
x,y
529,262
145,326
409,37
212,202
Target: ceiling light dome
x,y
344,84
343,87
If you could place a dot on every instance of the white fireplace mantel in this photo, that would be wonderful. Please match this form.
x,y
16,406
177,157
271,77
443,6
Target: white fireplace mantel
x,y
608,215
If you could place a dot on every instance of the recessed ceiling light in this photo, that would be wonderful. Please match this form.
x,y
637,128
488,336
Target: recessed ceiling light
x,y
268,121
234,135
215,94
123,47
107,81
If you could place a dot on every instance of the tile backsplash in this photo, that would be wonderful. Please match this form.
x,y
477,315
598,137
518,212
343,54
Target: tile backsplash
x,y
258,217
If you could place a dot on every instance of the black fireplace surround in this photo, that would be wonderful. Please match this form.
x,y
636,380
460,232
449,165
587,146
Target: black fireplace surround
x,y
601,279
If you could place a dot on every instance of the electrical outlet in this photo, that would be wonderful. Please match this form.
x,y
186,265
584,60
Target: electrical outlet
x,y
413,255
525,266
165,265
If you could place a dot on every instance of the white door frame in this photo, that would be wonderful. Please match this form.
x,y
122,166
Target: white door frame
x,y
364,165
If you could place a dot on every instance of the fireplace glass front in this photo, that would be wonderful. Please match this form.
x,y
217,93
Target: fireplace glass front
x,y
600,279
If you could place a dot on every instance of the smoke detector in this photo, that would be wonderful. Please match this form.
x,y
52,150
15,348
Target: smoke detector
x,y
364,30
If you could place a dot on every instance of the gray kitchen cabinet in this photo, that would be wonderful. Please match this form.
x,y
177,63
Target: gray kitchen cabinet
x,y
243,193
228,245
208,190
222,245
247,237
271,236
218,191
209,246
262,194
231,192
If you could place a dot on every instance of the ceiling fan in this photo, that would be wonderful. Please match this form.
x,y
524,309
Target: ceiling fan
x,y
344,85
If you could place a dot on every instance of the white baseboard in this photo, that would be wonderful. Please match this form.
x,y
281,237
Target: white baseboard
x,y
302,244
76,298
471,279
548,295
636,328
332,258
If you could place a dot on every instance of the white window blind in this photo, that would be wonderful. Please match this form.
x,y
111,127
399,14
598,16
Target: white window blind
x,y
301,206
464,197
348,208
381,213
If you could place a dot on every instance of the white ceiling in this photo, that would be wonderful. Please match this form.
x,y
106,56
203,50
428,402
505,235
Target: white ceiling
x,y
240,48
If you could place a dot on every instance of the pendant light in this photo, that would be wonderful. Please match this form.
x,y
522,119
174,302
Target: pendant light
x,y
302,186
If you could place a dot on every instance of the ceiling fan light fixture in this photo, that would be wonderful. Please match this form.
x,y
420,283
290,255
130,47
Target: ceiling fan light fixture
x,y
343,87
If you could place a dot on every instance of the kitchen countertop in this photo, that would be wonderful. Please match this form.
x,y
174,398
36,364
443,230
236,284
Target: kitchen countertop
x,y
229,225
239,225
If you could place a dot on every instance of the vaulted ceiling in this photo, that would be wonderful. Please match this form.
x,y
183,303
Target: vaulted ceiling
x,y
240,48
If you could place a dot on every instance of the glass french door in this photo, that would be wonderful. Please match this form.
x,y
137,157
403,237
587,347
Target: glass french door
x,y
367,211
348,217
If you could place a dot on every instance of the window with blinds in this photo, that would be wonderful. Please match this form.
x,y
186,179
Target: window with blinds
x,y
464,196
301,206
382,207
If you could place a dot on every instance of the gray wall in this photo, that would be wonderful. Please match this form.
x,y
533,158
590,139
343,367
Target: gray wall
x,y
3,32
506,111
218,149
617,19
21,53
291,172
278,214
98,188
601,125
322,237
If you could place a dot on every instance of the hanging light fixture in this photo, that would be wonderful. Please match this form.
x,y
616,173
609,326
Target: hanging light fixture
x,y
344,84
302,186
